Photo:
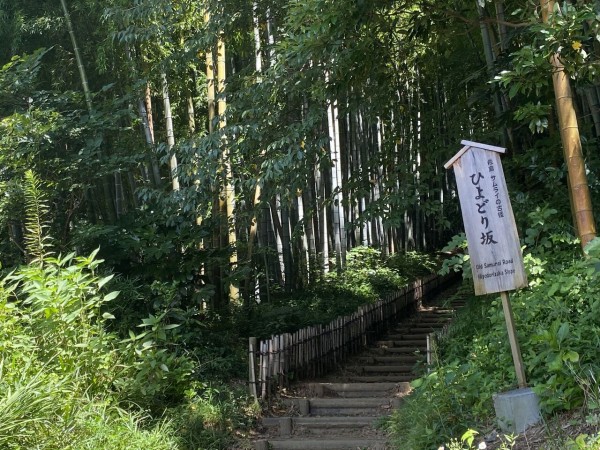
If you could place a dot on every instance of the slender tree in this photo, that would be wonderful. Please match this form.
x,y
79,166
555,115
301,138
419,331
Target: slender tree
x,y
170,132
569,132
80,66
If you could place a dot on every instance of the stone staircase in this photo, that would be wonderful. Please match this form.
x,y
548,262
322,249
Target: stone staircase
x,y
341,412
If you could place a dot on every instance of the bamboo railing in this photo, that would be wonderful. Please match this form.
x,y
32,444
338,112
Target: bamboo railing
x,y
314,350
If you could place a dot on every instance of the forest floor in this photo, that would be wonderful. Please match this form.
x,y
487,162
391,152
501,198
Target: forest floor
x,y
552,433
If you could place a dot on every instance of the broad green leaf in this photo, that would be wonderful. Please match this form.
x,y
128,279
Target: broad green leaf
x,y
105,280
571,356
111,295
563,332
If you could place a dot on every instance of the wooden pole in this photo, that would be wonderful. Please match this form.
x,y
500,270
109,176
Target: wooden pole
x,y
514,343
251,367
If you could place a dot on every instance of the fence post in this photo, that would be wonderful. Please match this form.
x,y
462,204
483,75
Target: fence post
x,y
431,350
252,368
264,346
312,350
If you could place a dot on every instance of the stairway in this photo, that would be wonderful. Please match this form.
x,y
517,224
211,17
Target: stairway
x,y
341,411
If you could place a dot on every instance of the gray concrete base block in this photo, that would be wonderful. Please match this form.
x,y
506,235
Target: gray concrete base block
x,y
261,445
517,410
304,406
285,426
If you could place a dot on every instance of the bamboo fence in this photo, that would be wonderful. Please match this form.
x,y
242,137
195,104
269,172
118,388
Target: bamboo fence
x,y
314,350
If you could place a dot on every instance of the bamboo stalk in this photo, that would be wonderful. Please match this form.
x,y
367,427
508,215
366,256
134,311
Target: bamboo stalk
x,y
573,155
80,66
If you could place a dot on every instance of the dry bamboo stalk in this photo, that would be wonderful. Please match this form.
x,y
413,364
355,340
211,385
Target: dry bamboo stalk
x,y
263,368
270,364
281,359
251,367
275,361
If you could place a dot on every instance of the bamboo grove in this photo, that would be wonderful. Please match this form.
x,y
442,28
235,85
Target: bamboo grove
x,y
243,147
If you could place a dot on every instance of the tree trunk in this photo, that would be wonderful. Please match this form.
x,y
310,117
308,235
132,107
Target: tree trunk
x,y
110,214
502,32
286,238
118,194
191,110
322,218
150,138
489,53
229,194
336,185
152,169
569,132
170,132
84,83
215,269
592,101
257,188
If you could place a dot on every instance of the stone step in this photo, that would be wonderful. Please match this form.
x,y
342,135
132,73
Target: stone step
x,y
403,343
406,336
436,313
354,390
433,317
394,360
399,350
396,378
436,310
322,444
289,426
383,368
342,406
414,330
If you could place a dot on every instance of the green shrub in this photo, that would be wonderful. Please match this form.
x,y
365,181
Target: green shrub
x,y
211,415
56,354
101,426
56,316
412,264
557,321
366,279
65,373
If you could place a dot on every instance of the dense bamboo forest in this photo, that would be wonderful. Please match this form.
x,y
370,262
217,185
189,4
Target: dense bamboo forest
x,y
235,168
253,145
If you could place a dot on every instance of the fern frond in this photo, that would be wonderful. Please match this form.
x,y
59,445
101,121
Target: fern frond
x,y
37,244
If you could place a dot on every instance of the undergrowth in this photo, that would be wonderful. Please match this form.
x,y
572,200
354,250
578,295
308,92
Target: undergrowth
x,y
558,324
368,276
70,381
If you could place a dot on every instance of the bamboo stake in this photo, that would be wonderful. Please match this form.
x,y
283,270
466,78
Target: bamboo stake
x,y
251,367
263,369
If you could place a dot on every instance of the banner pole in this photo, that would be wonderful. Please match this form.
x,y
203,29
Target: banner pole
x,y
514,343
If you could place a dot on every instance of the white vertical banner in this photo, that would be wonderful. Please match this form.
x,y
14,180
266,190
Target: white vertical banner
x,y
494,248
